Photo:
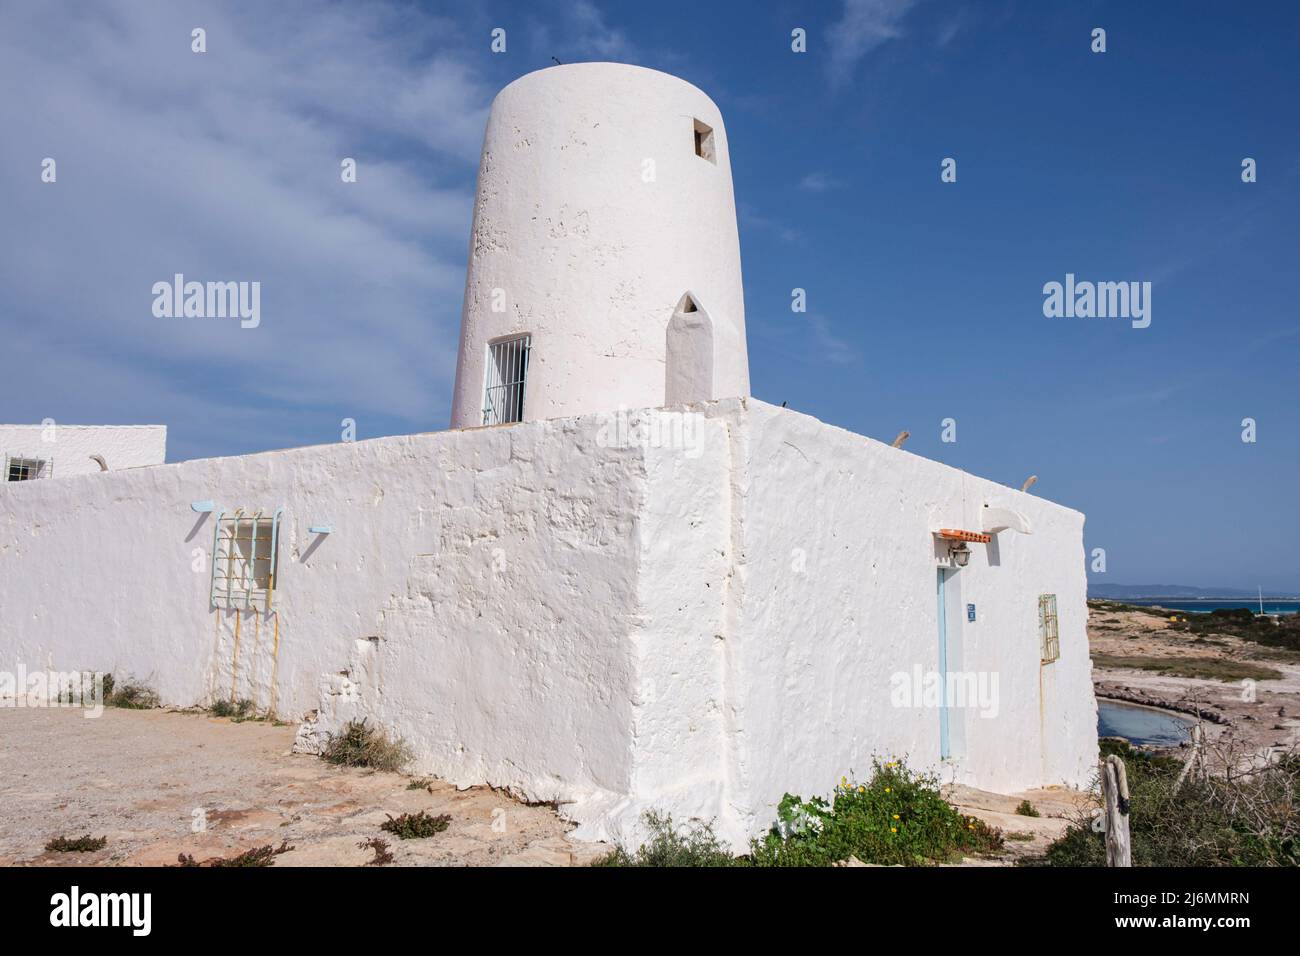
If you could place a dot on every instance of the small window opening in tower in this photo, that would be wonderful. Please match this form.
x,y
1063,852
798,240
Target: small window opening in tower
x,y
704,142
507,371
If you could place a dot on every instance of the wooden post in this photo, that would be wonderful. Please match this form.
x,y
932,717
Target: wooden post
x,y
1198,741
1114,785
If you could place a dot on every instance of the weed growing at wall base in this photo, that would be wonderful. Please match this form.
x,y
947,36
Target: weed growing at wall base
x,y
669,845
360,745
237,711
131,695
898,817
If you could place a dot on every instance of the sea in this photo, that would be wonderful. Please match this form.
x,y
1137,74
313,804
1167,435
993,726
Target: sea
x,y
1205,605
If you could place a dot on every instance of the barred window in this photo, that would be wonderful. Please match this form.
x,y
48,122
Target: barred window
x,y
507,371
27,469
1048,633
244,559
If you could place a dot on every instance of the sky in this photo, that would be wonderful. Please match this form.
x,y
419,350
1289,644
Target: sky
x,y
925,298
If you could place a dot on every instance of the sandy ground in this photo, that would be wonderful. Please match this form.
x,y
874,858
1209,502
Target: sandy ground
x,y
143,778
161,783
1265,716
1058,807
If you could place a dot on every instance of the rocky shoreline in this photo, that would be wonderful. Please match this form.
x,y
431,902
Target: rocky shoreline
x,y
1140,657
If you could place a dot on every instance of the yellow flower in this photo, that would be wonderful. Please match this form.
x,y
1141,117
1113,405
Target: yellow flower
x,y
896,816
893,829
970,826
887,790
844,781
861,789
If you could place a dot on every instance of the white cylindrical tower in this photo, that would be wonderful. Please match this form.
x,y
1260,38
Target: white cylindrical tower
x,y
604,208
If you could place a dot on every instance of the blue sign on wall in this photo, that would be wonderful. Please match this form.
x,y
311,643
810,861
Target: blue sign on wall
x,y
970,612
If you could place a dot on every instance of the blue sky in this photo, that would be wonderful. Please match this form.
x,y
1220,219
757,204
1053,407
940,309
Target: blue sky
x,y
924,298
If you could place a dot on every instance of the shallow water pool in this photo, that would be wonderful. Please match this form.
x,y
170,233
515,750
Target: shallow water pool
x,y
1141,725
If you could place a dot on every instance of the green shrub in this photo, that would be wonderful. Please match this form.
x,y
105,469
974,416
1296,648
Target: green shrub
x,y
261,856
237,710
898,817
1282,632
131,695
416,826
670,845
360,745
1026,809
1209,668
382,855
1243,819
83,844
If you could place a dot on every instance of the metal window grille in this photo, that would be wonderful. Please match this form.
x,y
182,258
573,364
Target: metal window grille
x,y
503,395
20,468
244,550
1047,628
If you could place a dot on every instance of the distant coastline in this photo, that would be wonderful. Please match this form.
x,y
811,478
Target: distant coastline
x,y
1206,605
1154,593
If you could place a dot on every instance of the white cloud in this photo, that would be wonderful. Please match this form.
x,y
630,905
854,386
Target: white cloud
x,y
576,31
865,26
828,346
225,166
818,182
750,218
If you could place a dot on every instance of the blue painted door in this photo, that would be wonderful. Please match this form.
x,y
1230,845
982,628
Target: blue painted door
x,y
945,747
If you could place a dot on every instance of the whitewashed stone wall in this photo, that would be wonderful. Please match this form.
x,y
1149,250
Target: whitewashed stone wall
x,y
696,622
70,446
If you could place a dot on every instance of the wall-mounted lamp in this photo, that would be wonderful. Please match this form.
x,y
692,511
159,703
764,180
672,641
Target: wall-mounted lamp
x,y
202,507
960,554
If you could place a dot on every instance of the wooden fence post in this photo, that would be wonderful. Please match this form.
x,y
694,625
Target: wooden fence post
x,y
1198,741
1114,785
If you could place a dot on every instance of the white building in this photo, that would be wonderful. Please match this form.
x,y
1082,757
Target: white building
x,y
604,203
693,606
49,450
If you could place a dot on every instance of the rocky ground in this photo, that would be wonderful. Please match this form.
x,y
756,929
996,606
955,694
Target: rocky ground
x,y
160,783
157,783
1248,693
